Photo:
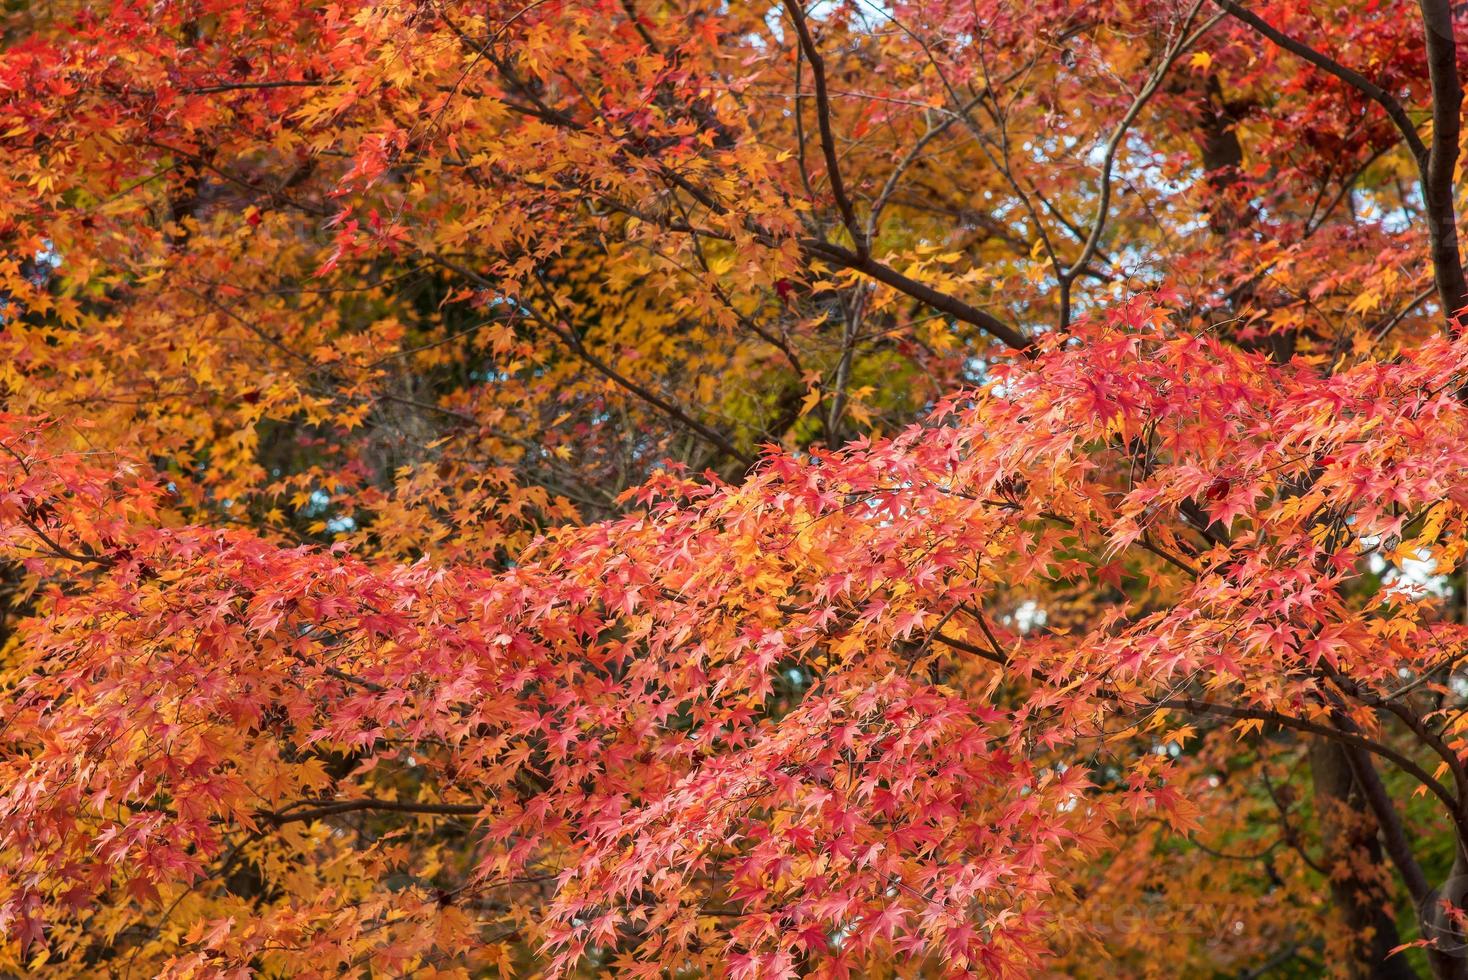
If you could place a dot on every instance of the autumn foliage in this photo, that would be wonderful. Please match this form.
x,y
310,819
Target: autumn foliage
x,y
686,488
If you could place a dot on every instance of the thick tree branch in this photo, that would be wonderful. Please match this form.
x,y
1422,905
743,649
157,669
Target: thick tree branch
x,y
860,260
1196,706
332,809
1329,65
1393,834
1442,158
954,307
1435,164
823,121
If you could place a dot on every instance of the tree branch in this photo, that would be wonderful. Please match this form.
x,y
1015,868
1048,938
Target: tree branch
x,y
1315,728
1442,158
328,809
823,121
957,308
1329,65
1393,835
1435,165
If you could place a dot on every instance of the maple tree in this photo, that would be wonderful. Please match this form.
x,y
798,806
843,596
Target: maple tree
x,y
594,486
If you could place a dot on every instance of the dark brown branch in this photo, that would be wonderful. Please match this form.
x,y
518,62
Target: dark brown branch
x,y
1442,158
823,121
247,86
1436,164
942,302
860,260
1329,65
1197,706
997,656
572,341
328,809
1414,722
1393,835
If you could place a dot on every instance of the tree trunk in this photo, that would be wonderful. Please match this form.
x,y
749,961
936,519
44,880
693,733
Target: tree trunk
x,y
1347,829
1348,834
